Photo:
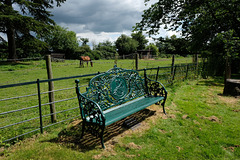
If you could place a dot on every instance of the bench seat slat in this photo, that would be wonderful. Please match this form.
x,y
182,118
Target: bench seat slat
x,y
122,111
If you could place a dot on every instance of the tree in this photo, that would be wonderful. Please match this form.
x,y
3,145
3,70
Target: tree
x,y
126,45
173,45
199,20
153,48
61,40
29,46
84,50
105,50
3,48
32,17
84,41
165,46
141,39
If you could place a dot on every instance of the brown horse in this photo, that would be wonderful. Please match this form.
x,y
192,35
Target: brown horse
x,y
85,59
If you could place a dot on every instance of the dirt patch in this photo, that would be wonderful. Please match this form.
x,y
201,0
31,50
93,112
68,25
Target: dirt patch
x,y
179,148
236,110
70,137
229,100
172,116
185,117
129,156
211,118
196,122
232,148
132,146
162,131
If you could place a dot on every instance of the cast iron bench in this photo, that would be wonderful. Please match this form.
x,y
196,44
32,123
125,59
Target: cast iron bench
x,y
114,95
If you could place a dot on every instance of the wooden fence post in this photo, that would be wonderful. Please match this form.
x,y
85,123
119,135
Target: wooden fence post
x,y
173,61
116,58
136,60
50,89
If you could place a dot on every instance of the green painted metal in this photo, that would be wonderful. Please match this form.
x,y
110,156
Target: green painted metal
x,y
114,95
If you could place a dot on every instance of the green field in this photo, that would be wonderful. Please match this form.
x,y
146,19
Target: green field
x,y
33,70
201,124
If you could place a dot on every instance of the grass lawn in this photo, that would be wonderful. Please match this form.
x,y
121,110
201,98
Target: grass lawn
x,y
200,123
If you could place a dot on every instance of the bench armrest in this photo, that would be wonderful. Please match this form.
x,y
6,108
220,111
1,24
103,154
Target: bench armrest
x,y
89,109
156,88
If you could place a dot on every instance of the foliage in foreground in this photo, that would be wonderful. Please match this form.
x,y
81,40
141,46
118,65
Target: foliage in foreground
x,y
201,124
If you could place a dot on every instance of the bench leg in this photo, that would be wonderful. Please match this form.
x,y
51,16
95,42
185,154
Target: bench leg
x,y
101,137
83,128
164,111
163,104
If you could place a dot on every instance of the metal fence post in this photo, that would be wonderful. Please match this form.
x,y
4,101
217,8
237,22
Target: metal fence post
x,y
40,105
187,71
157,73
174,72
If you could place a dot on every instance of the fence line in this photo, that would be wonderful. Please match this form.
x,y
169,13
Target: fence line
x,y
22,59
164,74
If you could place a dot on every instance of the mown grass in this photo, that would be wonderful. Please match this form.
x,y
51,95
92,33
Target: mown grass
x,y
201,124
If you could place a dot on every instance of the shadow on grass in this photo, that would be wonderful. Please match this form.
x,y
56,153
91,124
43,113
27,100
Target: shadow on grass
x,y
217,81
14,63
70,137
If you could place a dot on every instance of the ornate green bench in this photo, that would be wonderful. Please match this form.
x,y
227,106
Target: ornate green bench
x,y
114,95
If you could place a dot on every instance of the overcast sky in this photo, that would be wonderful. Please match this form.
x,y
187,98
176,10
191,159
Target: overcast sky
x,y
101,20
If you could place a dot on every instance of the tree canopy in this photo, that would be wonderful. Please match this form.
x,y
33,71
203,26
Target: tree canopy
x,y
141,39
126,45
24,17
199,20
204,23
105,50
61,40
173,45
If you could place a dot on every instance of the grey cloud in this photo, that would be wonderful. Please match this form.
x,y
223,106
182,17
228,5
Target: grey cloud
x,y
98,15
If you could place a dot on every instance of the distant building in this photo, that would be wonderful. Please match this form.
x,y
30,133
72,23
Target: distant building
x,y
57,57
145,54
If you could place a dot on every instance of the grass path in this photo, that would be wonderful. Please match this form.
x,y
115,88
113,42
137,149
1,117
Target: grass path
x,y
200,124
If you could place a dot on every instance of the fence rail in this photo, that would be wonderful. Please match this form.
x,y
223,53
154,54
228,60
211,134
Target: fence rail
x,y
38,115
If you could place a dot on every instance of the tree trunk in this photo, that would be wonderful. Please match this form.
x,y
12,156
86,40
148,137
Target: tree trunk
x,y
227,76
232,87
227,70
12,55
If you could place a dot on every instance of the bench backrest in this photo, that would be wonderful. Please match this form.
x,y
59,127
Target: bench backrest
x,y
115,87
